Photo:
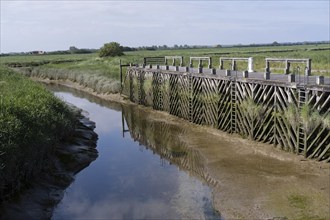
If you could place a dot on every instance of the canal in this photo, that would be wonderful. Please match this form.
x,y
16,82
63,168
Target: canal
x,y
132,178
152,165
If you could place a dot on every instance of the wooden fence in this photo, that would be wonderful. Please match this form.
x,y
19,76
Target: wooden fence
x,y
292,117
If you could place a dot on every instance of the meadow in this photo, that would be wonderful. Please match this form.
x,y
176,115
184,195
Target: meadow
x,y
103,74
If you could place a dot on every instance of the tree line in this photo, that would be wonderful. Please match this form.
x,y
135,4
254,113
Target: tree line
x,y
75,50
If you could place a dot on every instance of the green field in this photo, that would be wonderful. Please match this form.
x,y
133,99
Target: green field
x,y
109,67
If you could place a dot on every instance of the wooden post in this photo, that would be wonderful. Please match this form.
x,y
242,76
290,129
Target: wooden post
x,y
320,80
245,74
121,77
267,75
221,64
200,63
275,116
267,68
233,65
250,64
287,67
309,67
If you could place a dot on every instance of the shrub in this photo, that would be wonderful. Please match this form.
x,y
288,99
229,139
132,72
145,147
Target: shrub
x,y
111,49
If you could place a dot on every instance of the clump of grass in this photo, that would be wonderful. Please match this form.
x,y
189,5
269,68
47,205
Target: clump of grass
x,y
298,201
292,115
252,109
310,119
326,122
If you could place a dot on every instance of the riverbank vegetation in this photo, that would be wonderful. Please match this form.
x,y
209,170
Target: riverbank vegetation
x,y
32,122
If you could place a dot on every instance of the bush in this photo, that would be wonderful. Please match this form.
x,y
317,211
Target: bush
x,y
111,50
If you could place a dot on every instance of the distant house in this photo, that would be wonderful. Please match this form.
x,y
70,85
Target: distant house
x,y
36,52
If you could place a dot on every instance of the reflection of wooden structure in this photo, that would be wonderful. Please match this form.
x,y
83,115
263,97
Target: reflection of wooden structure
x,y
218,100
163,139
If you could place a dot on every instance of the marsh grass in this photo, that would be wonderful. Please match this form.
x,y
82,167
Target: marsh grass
x,y
95,80
310,118
292,115
32,121
326,121
252,109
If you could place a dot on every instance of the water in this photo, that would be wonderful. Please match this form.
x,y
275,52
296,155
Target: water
x,y
143,170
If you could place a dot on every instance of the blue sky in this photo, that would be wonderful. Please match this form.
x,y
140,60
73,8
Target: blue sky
x,y
57,25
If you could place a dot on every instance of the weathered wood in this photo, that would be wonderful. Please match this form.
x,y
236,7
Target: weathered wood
x,y
216,101
320,146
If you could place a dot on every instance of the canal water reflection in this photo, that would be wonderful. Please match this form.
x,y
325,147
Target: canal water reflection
x,y
144,169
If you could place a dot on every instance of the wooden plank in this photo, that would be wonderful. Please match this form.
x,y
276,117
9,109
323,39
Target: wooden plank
x,y
319,146
268,118
286,135
209,102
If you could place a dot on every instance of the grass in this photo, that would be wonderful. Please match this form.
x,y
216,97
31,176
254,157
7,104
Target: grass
x,y
32,121
252,109
302,205
110,66
310,118
292,115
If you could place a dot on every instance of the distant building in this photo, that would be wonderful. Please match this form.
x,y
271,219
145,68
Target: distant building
x,y
37,52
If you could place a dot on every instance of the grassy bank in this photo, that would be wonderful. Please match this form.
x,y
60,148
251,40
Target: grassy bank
x,y
32,122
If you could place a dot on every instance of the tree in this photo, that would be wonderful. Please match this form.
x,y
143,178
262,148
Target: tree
x,y
73,49
111,49
275,43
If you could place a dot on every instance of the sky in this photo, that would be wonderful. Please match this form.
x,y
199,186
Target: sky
x,y
50,25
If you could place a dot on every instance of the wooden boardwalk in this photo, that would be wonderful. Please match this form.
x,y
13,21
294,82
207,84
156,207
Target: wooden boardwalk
x,y
284,110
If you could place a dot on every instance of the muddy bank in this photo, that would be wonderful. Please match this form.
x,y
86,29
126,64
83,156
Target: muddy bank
x,y
253,180
45,192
